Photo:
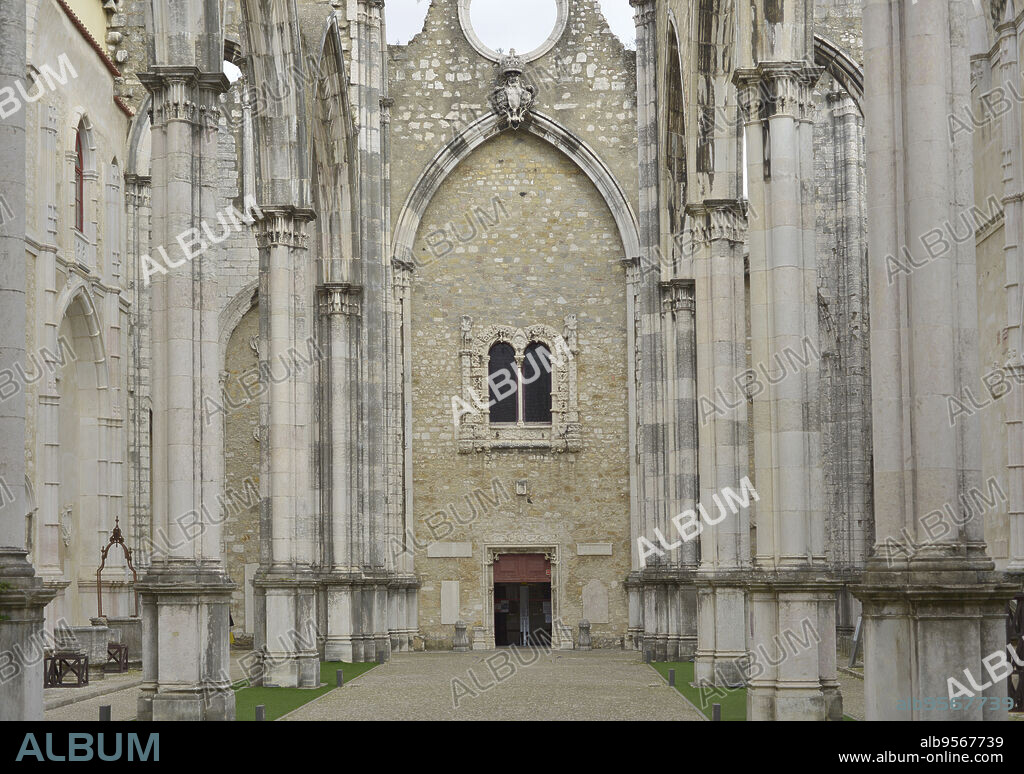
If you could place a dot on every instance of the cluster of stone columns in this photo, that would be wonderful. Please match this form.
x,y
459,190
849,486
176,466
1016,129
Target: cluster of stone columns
x,y
934,610
285,600
788,587
717,231
662,599
186,591
371,594
22,596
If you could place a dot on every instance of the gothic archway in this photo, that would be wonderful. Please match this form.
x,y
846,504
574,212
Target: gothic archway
x,y
477,133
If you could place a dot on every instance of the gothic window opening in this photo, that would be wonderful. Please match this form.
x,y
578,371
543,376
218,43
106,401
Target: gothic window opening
x,y
536,376
503,384
518,388
79,183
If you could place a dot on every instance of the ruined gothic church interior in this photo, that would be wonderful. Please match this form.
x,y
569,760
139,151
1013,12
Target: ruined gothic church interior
x,y
356,330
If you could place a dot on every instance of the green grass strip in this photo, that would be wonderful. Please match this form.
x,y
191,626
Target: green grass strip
x,y
281,701
734,700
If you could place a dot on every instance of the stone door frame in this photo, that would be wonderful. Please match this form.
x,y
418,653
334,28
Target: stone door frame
x,y
560,638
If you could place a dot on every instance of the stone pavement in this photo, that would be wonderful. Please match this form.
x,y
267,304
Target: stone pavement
x,y
561,685
87,700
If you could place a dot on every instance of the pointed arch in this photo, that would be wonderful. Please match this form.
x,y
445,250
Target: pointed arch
x,y
88,347
483,129
841,66
332,164
273,47
717,133
675,131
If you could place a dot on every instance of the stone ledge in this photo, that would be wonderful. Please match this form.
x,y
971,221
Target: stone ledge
x,y
87,692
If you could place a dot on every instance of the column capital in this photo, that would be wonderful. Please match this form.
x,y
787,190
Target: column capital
x,y
643,12
340,298
283,226
184,94
678,295
716,219
777,88
632,266
403,271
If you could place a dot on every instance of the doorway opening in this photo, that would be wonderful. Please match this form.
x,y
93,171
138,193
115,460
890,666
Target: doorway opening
x,y
522,600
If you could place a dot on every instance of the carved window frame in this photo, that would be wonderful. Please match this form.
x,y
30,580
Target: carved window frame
x,y
474,430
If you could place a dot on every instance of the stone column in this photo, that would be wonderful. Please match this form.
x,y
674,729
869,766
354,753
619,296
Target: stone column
x,y
717,232
186,591
932,606
845,369
287,584
22,596
652,427
681,462
339,311
788,596
1013,233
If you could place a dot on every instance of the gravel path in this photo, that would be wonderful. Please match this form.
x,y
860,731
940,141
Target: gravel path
x,y
595,685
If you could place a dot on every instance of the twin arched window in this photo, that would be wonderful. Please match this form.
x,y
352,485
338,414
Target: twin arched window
x,y
519,393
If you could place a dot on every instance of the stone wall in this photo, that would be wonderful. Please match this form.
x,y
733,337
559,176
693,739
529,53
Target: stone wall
x,y
554,252
242,467
518,235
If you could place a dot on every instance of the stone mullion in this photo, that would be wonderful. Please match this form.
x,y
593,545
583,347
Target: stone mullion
x,y
186,591
924,351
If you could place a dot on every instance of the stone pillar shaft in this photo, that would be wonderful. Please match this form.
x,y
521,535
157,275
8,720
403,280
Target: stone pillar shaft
x,y
1013,231
286,361
12,278
717,231
340,302
931,603
186,591
788,599
22,598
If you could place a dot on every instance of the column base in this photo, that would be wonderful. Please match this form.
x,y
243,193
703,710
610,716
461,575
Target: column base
x,y
933,629
22,637
289,657
721,647
792,668
186,640
667,599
